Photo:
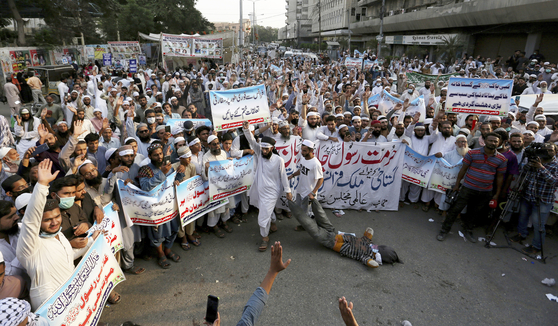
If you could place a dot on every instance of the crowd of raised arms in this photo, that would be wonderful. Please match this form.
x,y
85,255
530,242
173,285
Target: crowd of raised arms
x,y
112,125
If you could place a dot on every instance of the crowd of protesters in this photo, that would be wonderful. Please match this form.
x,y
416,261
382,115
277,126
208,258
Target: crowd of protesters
x,y
110,125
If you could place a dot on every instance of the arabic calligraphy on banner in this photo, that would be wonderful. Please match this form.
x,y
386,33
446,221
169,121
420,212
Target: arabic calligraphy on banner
x,y
230,177
151,208
196,122
289,151
231,108
353,62
444,175
418,79
193,200
417,168
479,96
81,299
111,224
360,175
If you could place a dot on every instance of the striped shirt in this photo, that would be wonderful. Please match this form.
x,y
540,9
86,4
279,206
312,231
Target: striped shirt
x,y
483,169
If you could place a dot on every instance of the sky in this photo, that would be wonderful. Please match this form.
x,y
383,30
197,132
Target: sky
x,y
268,12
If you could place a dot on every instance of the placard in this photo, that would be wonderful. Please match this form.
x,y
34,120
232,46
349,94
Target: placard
x,y
193,200
417,168
479,96
230,177
232,107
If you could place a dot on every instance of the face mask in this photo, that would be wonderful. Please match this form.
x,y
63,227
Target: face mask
x,y
547,70
410,91
151,120
66,203
508,129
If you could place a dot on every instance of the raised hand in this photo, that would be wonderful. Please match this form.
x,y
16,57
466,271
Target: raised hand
x,y
29,153
78,128
416,117
539,99
43,131
277,264
44,174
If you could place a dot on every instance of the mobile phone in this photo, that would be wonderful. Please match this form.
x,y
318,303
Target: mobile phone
x,y
166,160
211,312
83,235
517,98
167,128
42,148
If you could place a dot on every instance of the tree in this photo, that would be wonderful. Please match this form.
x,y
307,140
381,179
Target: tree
x,y
178,16
19,23
265,34
133,19
450,48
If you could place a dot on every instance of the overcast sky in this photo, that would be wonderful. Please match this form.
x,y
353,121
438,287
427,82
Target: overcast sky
x,y
268,12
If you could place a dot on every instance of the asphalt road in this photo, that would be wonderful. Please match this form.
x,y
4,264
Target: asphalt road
x,y
440,283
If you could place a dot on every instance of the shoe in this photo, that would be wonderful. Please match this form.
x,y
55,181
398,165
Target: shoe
x,y
469,236
517,238
532,251
441,236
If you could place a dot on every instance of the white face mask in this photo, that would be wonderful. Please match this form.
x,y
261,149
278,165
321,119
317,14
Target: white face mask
x,y
151,120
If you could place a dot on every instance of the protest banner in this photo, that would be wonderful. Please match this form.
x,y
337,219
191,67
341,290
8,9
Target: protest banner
x,y
124,49
418,79
374,100
417,105
275,68
111,224
133,65
80,301
353,62
231,108
230,177
176,45
368,64
479,96
193,200
444,175
207,48
149,208
417,168
387,102
196,122
360,175
555,207
289,151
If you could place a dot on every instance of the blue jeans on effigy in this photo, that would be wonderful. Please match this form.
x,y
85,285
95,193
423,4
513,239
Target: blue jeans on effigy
x,y
539,212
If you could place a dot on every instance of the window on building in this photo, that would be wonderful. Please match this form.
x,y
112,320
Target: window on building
x,y
363,13
353,11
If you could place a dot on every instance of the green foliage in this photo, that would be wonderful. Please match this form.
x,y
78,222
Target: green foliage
x,y
447,52
7,36
265,34
45,38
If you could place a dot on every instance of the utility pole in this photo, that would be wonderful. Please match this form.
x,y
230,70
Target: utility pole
x,y
349,27
320,26
255,23
380,37
240,33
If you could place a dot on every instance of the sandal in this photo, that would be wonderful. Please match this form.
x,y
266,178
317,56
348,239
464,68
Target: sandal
x,y
135,270
299,228
425,208
196,235
273,228
289,215
174,257
114,298
185,246
263,245
227,228
235,220
243,218
280,217
218,232
162,261
195,242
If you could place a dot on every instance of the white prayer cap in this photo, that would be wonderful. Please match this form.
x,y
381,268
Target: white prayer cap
x,y
427,121
153,75
24,111
366,118
266,145
529,132
160,127
159,93
532,76
84,164
86,96
125,103
157,104
184,152
312,114
177,130
546,63
74,91
339,115
22,201
356,117
342,126
465,131
532,123
2,259
460,136
97,110
275,121
62,122
283,123
308,143
211,139
173,98
179,139
493,118
347,113
4,151
129,138
109,153
540,117
147,90
134,94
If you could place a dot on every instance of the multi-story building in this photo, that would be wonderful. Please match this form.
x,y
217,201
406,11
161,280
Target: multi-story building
x,y
298,22
334,17
483,27
221,26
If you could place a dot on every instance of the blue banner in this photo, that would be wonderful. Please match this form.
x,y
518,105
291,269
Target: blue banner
x,y
133,65
107,59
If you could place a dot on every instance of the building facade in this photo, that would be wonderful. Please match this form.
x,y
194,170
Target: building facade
x,y
298,22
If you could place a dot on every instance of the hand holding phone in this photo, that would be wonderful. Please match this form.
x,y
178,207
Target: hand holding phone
x,y
212,308
42,148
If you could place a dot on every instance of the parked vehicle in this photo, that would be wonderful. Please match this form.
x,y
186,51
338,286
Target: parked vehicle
x,y
50,77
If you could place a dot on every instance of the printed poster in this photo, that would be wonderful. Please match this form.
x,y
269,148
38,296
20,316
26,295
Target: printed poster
x,y
193,200
444,175
230,177
289,151
232,107
479,96
80,301
417,168
176,45
110,224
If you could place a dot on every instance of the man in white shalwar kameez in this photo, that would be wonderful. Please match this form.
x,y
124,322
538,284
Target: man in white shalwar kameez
x,y
42,249
270,182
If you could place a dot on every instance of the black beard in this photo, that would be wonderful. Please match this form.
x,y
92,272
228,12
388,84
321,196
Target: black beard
x,y
294,122
54,147
126,165
157,164
24,191
144,139
516,149
376,133
267,156
24,119
446,135
12,231
215,151
313,126
80,119
419,137
95,182
63,134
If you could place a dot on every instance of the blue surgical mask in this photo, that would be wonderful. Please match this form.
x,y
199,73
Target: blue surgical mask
x,y
508,129
410,91
66,202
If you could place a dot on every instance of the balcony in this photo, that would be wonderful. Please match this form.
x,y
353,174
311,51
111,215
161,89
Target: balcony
x,y
458,15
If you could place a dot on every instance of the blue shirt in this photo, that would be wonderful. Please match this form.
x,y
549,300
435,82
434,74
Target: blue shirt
x,y
253,308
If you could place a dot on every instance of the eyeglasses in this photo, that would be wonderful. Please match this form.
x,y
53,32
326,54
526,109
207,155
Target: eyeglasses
x,y
22,187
